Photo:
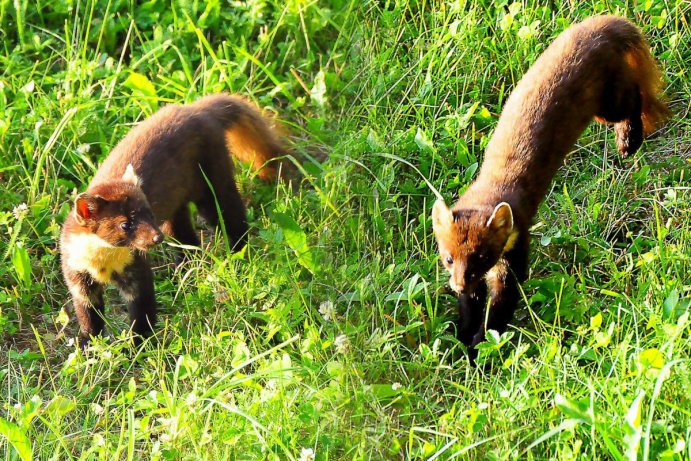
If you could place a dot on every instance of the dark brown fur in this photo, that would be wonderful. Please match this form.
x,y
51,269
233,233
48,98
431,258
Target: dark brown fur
x,y
600,68
172,155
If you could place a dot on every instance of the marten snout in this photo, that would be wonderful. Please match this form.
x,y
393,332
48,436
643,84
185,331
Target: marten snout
x,y
147,235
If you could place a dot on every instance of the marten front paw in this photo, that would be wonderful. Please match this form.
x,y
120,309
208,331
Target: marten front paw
x,y
629,137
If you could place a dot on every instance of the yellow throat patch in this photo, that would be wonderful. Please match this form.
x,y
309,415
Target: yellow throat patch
x,y
89,253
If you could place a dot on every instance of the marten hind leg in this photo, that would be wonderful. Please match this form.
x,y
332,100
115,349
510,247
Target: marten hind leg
x,y
180,227
232,211
629,132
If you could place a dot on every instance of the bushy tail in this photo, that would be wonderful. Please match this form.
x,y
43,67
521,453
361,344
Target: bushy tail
x,y
249,134
654,110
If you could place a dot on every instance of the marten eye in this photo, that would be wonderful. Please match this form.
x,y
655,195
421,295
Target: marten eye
x,y
126,225
449,260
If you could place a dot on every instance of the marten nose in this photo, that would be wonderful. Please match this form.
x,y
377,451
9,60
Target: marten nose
x,y
158,237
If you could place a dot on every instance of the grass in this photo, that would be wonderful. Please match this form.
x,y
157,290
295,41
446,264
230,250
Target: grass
x,y
330,332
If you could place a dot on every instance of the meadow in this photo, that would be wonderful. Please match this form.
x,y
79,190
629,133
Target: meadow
x,y
330,335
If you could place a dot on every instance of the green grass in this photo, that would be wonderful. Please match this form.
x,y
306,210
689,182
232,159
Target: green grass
x,y
378,97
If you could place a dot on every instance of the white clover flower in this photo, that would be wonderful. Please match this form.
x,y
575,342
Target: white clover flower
x,y
191,399
342,344
20,211
307,454
83,148
396,386
327,310
96,408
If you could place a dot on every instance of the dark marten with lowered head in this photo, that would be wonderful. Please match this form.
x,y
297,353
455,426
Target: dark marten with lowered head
x,y
600,68
142,190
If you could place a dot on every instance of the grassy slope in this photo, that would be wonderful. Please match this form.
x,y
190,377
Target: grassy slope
x,y
246,365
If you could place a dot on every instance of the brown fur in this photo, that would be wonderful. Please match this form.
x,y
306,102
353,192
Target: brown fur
x,y
145,185
600,68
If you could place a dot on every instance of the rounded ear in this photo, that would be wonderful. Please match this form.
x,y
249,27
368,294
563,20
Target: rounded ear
x,y
130,176
86,206
502,218
441,215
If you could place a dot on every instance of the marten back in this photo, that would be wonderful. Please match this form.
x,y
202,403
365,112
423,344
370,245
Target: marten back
x,y
600,68
248,135
170,149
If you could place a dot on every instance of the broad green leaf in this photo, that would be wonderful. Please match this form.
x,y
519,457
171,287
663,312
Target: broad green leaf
x,y
318,91
60,406
17,439
669,307
297,240
572,408
633,416
186,366
596,321
423,142
652,358
63,318
143,88
22,265
385,391
139,83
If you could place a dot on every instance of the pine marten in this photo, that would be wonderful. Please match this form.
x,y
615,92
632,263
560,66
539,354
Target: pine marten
x,y
600,68
142,190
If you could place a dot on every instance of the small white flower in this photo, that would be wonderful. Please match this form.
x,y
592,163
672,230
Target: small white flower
x,y
327,310
396,386
98,441
96,408
20,211
191,399
83,148
342,344
307,454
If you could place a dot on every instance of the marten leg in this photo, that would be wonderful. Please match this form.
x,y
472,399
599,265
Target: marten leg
x,y
629,132
504,280
182,230
136,285
87,298
471,313
232,211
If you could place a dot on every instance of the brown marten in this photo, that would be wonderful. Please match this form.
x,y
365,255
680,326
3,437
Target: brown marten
x,y
600,68
178,155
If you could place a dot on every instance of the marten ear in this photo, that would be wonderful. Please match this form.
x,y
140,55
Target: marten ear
x,y
130,176
442,217
501,219
86,206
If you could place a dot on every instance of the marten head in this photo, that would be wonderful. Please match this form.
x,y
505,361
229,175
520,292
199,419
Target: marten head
x,y
471,241
118,213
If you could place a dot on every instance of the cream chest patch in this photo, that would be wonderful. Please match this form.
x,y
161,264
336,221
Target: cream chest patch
x,y
89,253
